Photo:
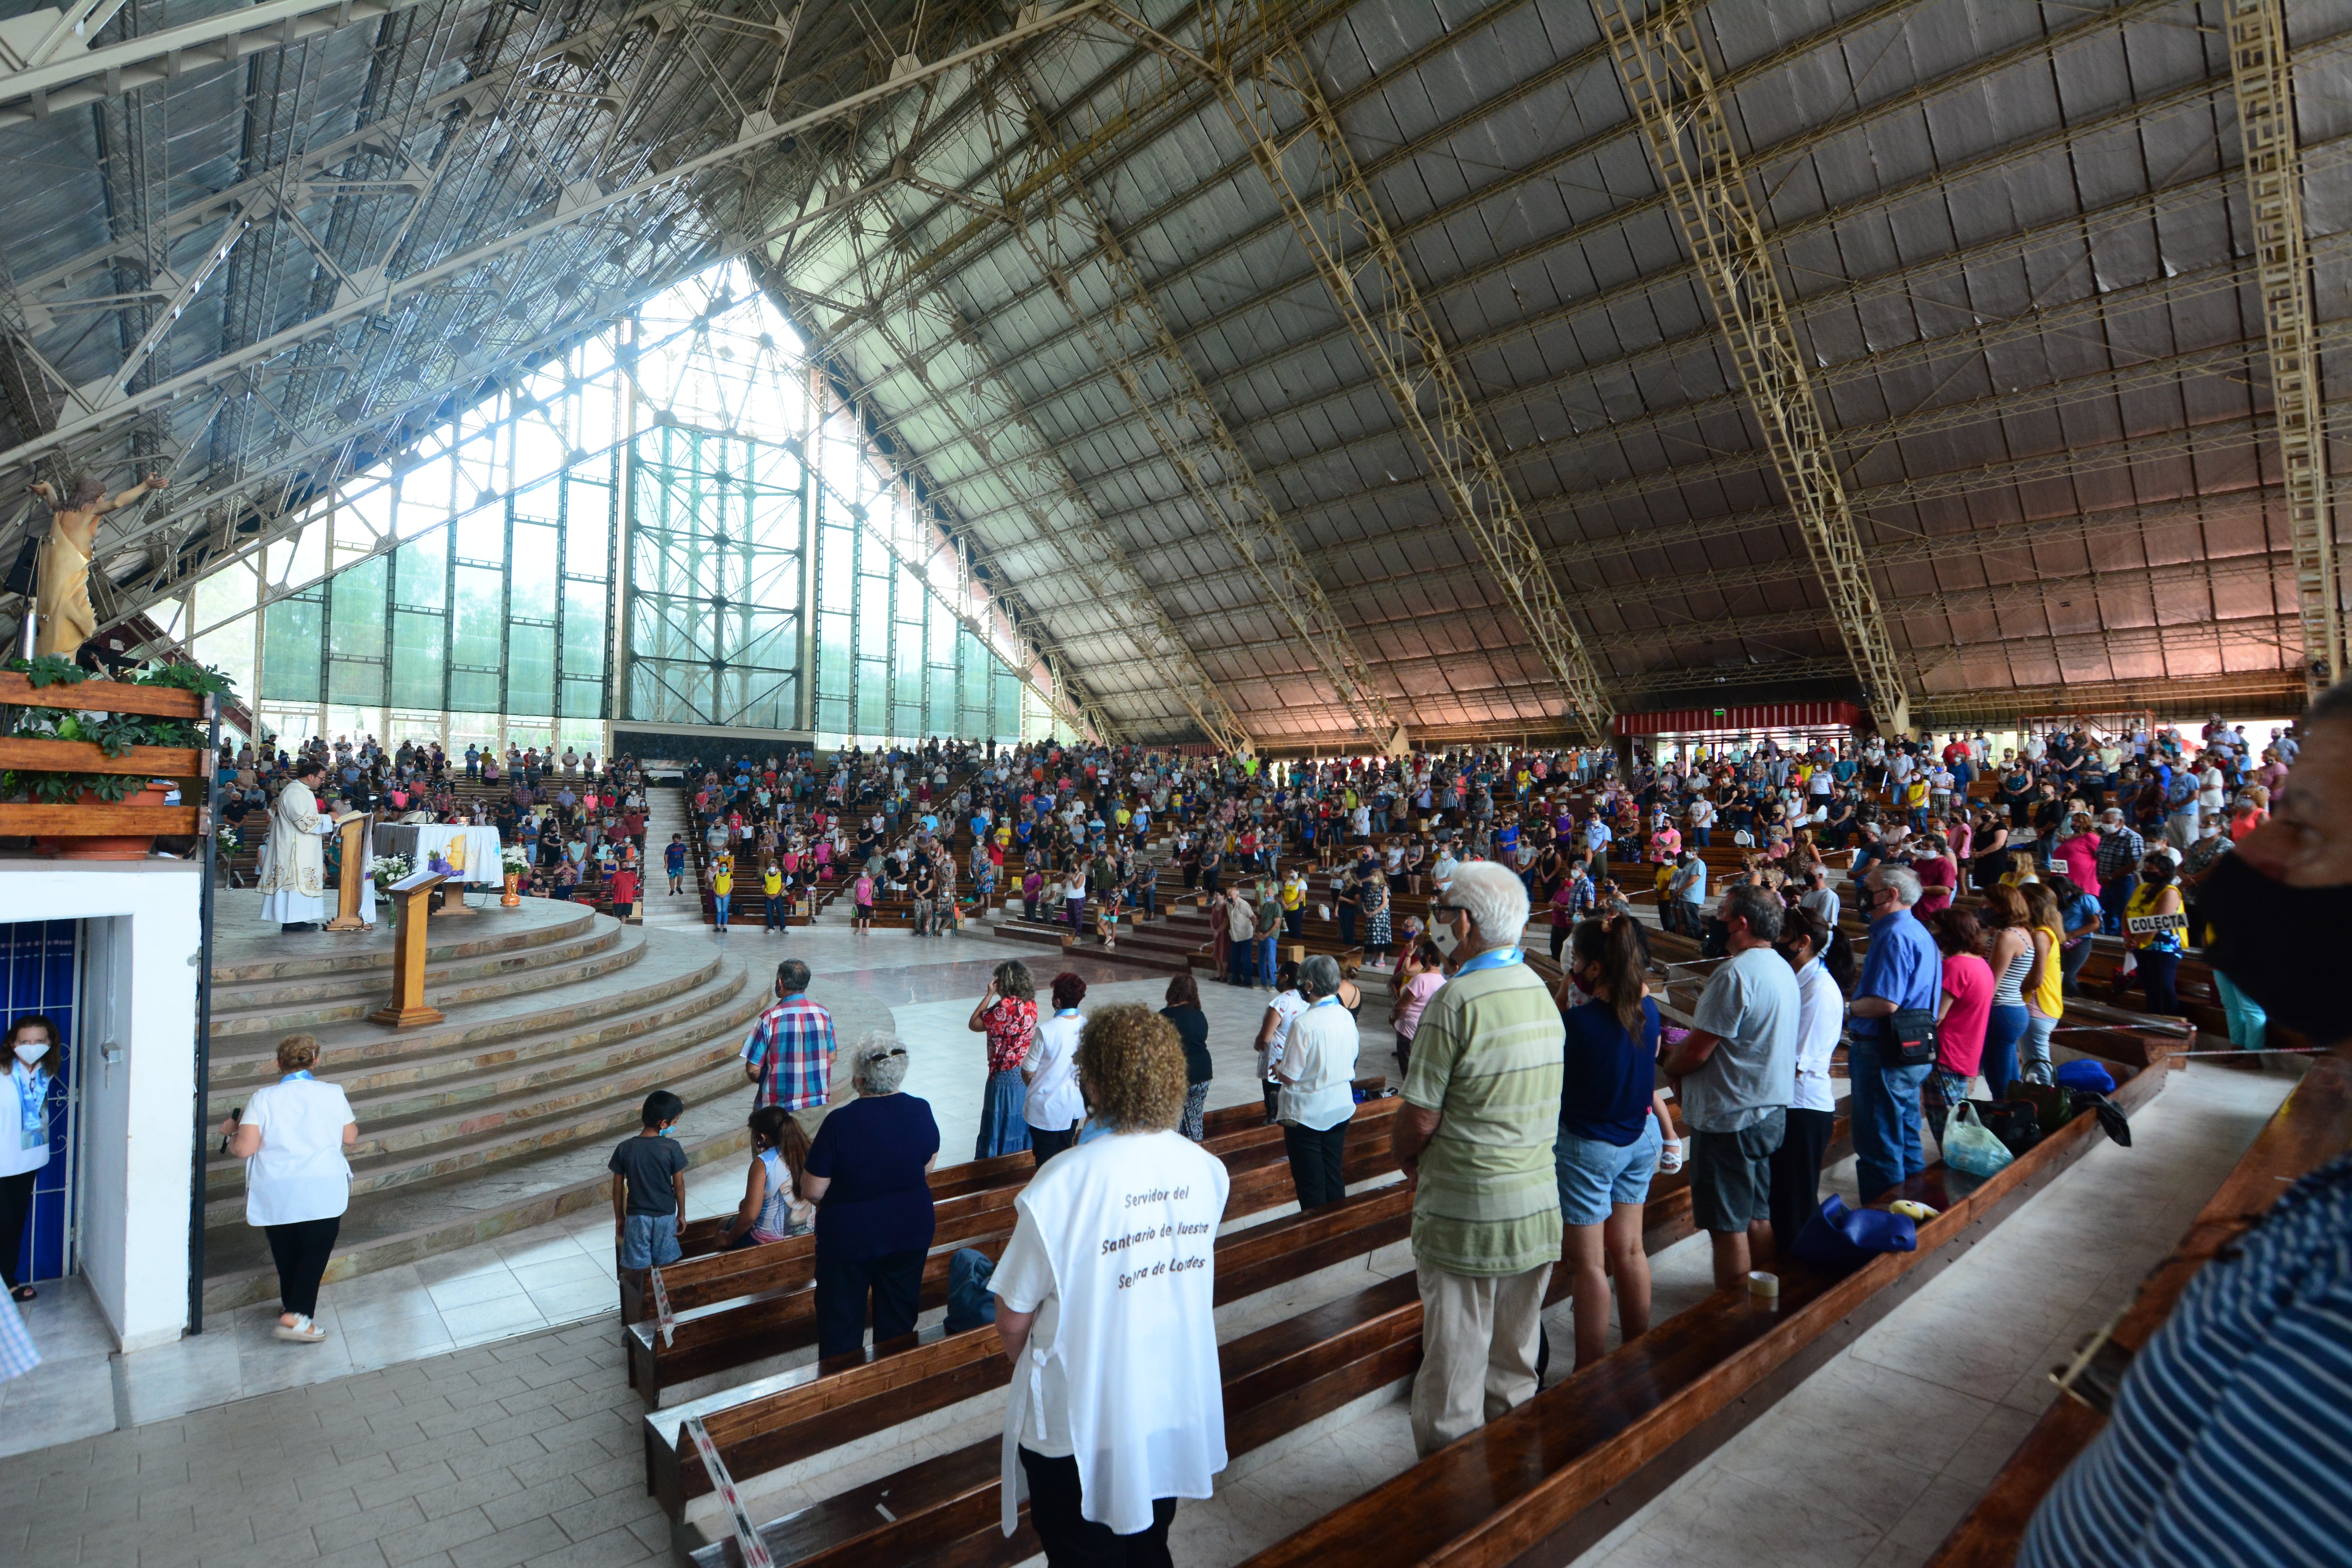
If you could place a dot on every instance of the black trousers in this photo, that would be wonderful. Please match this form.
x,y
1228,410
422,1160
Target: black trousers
x,y
301,1250
844,1286
1072,1541
1797,1175
16,1207
1045,1144
1315,1159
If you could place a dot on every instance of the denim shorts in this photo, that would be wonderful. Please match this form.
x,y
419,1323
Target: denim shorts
x,y
649,1241
1594,1176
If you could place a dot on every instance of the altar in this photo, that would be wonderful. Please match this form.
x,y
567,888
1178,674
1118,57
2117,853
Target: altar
x,y
478,848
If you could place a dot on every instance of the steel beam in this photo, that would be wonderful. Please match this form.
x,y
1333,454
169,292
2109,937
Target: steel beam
x,y
1135,341
1662,65
1278,106
2265,78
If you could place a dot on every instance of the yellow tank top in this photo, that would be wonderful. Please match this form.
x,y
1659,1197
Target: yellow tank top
x,y
2049,998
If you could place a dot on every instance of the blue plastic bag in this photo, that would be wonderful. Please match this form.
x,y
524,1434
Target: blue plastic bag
x,y
1841,1241
2083,1074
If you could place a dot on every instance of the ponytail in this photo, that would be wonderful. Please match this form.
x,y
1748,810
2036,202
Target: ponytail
x,y
1623,950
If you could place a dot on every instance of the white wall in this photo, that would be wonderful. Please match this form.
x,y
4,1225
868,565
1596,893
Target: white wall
x,y
141,933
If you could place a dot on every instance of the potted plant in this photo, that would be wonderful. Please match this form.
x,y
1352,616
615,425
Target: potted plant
x,y
107,752
517,866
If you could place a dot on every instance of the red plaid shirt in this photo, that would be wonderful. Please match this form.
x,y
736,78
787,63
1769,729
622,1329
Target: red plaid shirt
x,y
791,1044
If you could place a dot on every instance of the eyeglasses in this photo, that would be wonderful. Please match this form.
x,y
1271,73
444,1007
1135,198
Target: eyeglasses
x,y
1446,911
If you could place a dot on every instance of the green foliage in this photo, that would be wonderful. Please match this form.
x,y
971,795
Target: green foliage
x,y
113,733
49,669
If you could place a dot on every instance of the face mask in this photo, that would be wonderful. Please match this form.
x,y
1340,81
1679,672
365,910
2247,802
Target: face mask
x,y
1441,933
2277,943
31,1052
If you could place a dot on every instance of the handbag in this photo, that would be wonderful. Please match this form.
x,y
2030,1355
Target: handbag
x,y
1968,1147
1911,1035
1840,1239
2054,1104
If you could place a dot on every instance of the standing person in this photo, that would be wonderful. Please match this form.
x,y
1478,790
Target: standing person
x,y
1007,1016
1315,1070
1272,1030
790,1050
868,1174
1181,1008
1240,929
1824,967
1737,1072
1053,1106
35,1047
771,1209
291,1135
292,871
1895,1005
2045,1001
1966,1010
2010,954
861,896
1612,1126
1475,1136
722,889
1118,1407
771,895
674,862
2154,919
2241,1399
1373,897
1419,975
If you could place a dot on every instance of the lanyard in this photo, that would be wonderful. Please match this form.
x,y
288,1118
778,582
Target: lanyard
x,y
1066,1012
304,1075
1495,958
1330,1001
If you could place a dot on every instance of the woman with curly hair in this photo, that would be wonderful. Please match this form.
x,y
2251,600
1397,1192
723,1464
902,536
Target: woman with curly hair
x,y
1007,1014
1106,1298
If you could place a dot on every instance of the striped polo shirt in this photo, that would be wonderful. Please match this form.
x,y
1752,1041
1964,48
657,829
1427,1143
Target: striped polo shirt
x,y
1486,1055
2231,1430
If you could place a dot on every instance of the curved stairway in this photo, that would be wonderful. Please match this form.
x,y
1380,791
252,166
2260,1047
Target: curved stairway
x,y
559,1021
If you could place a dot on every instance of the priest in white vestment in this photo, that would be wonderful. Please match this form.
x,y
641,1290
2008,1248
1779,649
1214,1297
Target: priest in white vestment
x,y
293,879
1106,1302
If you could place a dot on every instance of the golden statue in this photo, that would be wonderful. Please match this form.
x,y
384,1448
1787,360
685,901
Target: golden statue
x,y
66,620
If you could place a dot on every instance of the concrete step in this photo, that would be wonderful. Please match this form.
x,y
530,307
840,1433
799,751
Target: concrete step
x,y
247,953
603,1109
275,1007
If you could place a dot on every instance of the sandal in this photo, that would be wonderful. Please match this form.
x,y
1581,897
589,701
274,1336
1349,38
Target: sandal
x,y
23,1293
301,1331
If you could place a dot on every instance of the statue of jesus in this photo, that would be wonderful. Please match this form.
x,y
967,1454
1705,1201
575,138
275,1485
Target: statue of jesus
x,y
66,620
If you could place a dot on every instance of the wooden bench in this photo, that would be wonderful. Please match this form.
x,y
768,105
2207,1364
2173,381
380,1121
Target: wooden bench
x,y
774,1309
2312,1128
1552,1478
1275,1379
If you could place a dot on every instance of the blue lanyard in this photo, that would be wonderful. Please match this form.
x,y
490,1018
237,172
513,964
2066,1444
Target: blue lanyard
x,y
304,1075
1066,1012
1331,1001
1496,958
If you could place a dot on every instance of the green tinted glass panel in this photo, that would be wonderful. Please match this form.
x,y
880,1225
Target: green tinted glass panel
x,y
873,696
422,579
418,657
291,630
531,669
584,629
532,572
833,656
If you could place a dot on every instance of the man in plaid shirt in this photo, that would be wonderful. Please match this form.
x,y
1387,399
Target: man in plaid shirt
x,y
790,1052
2120,852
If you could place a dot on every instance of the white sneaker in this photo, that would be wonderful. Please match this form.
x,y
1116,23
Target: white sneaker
x,y
1670,1156
301,1331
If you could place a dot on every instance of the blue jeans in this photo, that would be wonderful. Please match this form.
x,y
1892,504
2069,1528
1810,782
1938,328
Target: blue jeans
x,y
1265,967
649,1241
1246,962
2004,1026
777,904
718,902
2033,1048
1705,836
2249,1022
1885,1118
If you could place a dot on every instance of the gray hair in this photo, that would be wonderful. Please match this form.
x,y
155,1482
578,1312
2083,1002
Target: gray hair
x,y
1758,907
1900,880
791,975
1495,899
1318,977
877,1063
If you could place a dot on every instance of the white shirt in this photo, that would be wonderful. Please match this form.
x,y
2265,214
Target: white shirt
x,y
1319,1049
1115,1251
1287,1006
300,1172
1054,1102
14,1086
1820,1014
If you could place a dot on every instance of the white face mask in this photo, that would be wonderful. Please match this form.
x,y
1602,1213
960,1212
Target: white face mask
x,y
1441,933
32,1051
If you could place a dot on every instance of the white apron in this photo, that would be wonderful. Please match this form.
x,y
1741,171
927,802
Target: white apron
x,y
1130,1222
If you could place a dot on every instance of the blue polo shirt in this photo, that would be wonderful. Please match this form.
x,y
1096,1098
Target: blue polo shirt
x,y
1901,964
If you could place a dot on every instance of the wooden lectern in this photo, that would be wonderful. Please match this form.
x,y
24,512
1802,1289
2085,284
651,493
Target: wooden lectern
x,y
355,830
414,896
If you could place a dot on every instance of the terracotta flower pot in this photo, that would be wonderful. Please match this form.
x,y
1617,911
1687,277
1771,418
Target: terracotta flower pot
x,y
512,897
106,847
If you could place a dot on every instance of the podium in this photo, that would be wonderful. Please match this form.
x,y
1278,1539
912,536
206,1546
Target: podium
x,y
353,830
414,899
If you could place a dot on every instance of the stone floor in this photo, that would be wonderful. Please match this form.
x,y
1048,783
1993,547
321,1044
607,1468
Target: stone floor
x,y
472,1412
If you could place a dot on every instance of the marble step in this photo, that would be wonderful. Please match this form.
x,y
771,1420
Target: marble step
x,y
402,1224
609,946
410,1116
251,954
668,986
603,1111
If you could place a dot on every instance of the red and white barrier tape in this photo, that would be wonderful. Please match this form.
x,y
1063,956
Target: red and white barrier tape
x,y
747,1534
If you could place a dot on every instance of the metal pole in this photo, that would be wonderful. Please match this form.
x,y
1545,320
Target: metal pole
x,y
210,851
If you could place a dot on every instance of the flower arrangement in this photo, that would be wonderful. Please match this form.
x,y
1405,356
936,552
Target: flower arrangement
x,y
513,862
391,869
